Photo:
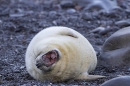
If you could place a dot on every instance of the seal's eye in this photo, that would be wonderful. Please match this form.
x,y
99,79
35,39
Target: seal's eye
x,y
50,58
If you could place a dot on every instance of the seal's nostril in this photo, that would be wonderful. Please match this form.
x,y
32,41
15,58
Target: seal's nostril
x,y
38,65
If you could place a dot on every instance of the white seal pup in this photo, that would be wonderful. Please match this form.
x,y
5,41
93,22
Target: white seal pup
x,y
58,54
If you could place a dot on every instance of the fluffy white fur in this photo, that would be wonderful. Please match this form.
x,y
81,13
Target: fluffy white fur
x,y
76,55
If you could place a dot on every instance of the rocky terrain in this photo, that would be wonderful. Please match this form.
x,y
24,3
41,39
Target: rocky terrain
x,y
20,20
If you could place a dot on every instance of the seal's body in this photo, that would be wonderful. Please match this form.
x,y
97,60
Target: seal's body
x,y
60,54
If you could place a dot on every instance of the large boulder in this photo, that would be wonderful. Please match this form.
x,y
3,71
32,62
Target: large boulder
x,y
119,81
116,49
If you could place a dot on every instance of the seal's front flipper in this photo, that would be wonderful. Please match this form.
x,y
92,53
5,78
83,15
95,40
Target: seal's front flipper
x,y
85,76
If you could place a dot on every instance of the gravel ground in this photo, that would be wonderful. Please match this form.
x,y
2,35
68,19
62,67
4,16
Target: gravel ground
x,y
20,20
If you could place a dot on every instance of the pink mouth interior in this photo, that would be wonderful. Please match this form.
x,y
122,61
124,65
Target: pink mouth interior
x,y
49,58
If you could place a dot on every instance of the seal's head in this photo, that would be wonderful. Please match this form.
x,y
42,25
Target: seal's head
x,y
46,61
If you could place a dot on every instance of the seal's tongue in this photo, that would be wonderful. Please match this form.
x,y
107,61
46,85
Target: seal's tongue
x,y
49,58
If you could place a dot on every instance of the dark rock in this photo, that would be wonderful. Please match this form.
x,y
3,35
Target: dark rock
x,y
106,5
119,81
127,10
66,4
87,16
123,23
116,50
56,7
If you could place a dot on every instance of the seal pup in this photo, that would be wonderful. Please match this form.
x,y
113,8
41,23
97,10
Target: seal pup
x,y
59,54
118,81
116,49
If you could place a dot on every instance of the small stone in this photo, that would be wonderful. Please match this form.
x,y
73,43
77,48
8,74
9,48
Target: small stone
x,y
66,4
106,5
104,31
17,15
29,12
57,7
24,85
78,7
19,10
71,11
127,10
87,16
128,69
22,67
52,13
97,30
16,71
122,4
1,21
123,23
34,85
98,22
54,22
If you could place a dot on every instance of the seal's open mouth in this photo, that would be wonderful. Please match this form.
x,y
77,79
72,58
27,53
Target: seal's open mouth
x,y
50,58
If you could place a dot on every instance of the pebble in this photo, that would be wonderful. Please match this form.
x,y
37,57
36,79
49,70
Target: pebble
x,y
104,32
52,13
29,12
16,71
98,30
101,30
22,67
122,4
66,4
127,10
16,50
87,16
123,22
106,5
114,13
57,7
128,69
1,21
71,11
24,85
18,10
54,22
17,15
